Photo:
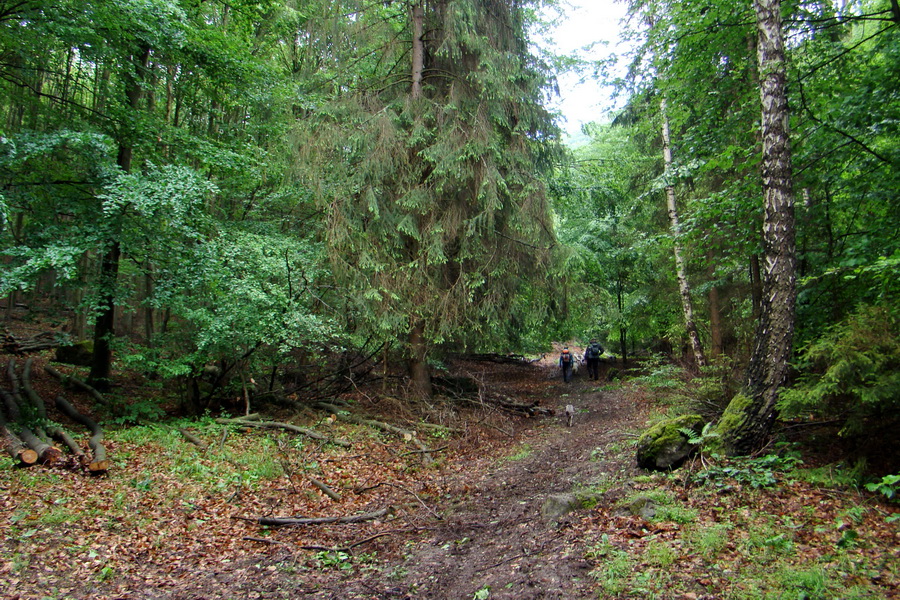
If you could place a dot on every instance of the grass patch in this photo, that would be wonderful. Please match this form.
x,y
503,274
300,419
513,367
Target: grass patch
x,y
523,452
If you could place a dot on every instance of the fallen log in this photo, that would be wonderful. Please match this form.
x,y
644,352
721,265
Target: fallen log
x,y
528,409
41,341
62,435
244,422
45,452
69,381
32,396
406,434
99,463
14,446
12,407
31,402
36,440
325,489
192,438
296,521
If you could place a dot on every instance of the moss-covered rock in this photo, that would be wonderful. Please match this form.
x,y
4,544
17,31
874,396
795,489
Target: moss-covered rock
x,y
79,354
664,446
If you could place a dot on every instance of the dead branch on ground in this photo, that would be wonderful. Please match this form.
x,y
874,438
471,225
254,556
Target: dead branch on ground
x,y
250,422
406,434
296,521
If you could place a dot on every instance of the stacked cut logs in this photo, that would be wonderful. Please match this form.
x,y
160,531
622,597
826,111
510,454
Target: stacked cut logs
x,y
16,345
26,434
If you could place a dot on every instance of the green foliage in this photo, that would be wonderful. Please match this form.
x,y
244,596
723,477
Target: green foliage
x,y
759,473
889,486
839,475
436,218
701,439
483,593
852,373
334,560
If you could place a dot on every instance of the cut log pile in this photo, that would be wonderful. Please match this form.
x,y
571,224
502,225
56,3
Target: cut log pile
x,y
27,432
17,345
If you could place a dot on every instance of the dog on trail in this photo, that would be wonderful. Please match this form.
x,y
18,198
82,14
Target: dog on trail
x,y
570,414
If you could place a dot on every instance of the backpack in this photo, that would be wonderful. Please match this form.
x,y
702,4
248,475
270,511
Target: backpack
x,y
594,351
566,357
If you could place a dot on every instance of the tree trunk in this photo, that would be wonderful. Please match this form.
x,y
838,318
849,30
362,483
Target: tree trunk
x,y
418,49
418,368
684,287
623,331
104,330
756,285
716,345
419,375
749,416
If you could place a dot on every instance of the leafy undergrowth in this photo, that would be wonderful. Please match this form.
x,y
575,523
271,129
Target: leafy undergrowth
x,y
742,533
169,510
173,520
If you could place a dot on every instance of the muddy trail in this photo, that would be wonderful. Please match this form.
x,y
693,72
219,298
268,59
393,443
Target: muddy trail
x,y
493,537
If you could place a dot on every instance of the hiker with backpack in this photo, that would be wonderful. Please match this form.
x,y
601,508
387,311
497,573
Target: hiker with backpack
x,y
592,358
566,362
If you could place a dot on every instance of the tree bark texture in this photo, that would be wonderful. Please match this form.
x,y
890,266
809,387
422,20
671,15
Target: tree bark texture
x,y
419,375
684,288
749,417
418,49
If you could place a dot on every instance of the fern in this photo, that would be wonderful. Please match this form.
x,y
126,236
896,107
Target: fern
x,y
702,438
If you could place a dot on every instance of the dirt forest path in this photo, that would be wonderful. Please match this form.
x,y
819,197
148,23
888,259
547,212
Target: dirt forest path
x,y
494,538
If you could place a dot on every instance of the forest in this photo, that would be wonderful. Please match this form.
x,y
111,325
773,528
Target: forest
x,y
243,240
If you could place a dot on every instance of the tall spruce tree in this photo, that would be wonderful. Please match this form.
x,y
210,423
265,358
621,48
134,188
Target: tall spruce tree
x,y
436,214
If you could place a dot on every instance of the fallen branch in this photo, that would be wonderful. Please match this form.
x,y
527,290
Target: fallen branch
x,y
441,449
325,489
60,434
400,487
192,438
406,434
250,538
243,421
347,548
99,463
296,521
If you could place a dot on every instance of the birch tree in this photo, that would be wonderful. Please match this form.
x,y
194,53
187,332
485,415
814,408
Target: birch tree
x,y
749,416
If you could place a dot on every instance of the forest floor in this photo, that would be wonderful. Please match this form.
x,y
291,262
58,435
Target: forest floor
x,y
172,520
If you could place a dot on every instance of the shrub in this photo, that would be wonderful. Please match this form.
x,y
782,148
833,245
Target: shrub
x,y
852,373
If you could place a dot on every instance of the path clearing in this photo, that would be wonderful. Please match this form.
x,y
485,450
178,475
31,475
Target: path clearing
x,y
494,536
